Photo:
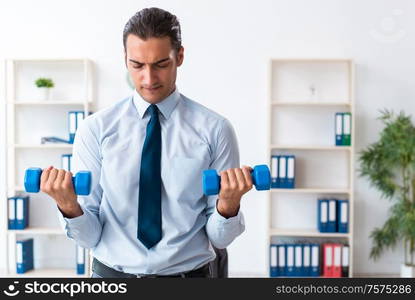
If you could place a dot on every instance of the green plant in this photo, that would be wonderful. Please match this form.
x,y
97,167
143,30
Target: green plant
x,y
390,166
44,82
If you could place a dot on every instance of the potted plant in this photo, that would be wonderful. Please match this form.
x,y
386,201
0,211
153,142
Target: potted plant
x,y
389,164
44,85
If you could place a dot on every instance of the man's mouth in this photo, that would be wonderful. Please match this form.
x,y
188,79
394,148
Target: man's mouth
x,y
153,89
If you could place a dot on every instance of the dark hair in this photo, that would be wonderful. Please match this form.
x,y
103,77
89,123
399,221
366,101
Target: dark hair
x,y
154,22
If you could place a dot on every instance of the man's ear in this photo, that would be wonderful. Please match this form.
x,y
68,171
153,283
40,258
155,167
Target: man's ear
x,y
180,56
125,59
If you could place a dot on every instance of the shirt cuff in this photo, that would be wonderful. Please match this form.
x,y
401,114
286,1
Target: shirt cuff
x,y
73,225
231,220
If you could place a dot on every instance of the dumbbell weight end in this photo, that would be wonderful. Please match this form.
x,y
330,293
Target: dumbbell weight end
x,y
261,178
81,181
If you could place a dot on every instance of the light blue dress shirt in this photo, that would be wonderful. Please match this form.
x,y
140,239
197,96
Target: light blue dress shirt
x,y
109,143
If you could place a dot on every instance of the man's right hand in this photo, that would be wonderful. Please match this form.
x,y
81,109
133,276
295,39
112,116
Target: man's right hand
x,y
58,184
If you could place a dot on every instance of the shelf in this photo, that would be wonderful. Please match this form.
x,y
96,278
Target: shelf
x,y
304,96
79,59
302,147
315,59
75,80
42,146
305,103
312,191
38,231
306,233
51,273
21,103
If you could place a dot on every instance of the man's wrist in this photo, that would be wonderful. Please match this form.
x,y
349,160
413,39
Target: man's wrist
x,y
225,210
71,211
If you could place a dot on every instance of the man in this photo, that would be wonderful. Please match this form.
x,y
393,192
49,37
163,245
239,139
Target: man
x,y
146,214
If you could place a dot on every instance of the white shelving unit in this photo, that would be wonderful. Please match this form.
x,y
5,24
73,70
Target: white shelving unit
x,y
49,273
74,90
44,146
303,124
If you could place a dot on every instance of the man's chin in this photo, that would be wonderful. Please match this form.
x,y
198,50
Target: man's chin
x,y
152,97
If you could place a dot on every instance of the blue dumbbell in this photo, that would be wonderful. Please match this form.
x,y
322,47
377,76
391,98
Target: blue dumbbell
x,y
81,181
261,178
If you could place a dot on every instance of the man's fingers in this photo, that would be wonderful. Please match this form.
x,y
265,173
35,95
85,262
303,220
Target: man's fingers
x,y
248,177
52,177
233,184
248,168
59,178
45,174
67,181
241,181
237,179
224,179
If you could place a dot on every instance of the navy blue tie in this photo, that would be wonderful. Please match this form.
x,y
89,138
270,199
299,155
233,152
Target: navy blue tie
x,y
149,200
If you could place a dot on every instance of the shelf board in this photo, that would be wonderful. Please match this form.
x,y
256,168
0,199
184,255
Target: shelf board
x,y
43,146
311,59
309,103
21,103
304,147
38,231
305,233
75,59
311,191
51,273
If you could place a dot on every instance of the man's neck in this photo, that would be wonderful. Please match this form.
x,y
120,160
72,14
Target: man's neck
x,y
171,92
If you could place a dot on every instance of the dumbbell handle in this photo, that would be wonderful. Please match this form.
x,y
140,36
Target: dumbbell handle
x,y
81,181
252,177
211,180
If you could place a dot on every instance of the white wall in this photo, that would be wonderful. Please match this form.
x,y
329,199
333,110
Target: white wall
x,y
227,47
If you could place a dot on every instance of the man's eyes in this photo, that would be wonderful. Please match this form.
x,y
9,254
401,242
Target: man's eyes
x,y
162,66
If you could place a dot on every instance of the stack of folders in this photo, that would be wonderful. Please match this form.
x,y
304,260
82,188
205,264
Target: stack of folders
x,y
295,260
335,260
66,160
80,260
52,139
24,255
18,212
333,215
75,119
305,260
283,171
343,128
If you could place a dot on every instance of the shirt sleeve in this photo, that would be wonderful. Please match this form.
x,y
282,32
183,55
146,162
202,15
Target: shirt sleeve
x,y
220,230
86,156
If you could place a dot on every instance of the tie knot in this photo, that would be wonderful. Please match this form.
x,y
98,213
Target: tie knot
x,y
153,110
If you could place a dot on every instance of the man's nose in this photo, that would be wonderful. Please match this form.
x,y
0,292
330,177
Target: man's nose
x,y
149,77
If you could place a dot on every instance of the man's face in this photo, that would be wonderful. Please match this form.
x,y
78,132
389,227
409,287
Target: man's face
x,y
152,64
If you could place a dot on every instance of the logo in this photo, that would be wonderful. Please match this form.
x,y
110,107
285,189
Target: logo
x,y
11,292
71,289
388,29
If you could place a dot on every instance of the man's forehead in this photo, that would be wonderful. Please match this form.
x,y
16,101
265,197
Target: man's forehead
x,y
148,51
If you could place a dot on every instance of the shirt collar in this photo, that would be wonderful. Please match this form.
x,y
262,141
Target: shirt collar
x,y
165,106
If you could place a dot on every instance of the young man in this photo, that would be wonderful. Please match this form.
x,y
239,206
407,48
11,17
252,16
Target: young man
x,y
146,214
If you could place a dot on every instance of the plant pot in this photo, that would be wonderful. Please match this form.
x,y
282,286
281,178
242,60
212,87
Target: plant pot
x,y
44,93
407,271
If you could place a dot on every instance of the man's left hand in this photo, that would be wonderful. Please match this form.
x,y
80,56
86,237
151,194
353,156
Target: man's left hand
x,y
233,184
